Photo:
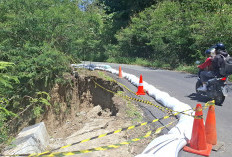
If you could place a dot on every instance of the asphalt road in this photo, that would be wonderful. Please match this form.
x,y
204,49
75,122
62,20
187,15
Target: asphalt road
x,y
182,86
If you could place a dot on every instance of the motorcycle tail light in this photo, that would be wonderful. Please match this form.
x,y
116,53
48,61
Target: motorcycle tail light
x,y
223,79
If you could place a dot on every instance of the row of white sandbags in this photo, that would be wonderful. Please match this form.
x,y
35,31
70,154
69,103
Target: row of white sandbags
x,y
171,143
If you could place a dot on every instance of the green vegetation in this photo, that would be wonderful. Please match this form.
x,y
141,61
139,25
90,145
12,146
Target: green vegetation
x,y
38,41
6,81
133,112
176,32
40,38
42,98
104,76
190,69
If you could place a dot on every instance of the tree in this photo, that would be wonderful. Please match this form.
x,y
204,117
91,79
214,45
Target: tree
x,y
176,32
5,83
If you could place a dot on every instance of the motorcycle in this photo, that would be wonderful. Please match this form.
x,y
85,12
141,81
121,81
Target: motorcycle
x,y
217,89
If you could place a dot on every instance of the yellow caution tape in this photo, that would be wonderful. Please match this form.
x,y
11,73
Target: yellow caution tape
x,y
143,101
106,134
150,103
59,154
149,133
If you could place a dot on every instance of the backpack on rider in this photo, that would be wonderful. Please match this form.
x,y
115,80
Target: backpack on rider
x,y
226,66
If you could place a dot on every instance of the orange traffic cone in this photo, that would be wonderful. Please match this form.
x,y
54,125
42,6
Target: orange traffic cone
x,y
120,72
210,126
140,87
197,144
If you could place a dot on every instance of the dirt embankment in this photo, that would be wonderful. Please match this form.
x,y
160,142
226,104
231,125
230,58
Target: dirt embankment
x,y
83,110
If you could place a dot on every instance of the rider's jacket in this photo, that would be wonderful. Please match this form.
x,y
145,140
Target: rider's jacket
x,y
206,65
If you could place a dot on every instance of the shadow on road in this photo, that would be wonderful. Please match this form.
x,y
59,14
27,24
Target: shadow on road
x,y
198,97
152,68
191,76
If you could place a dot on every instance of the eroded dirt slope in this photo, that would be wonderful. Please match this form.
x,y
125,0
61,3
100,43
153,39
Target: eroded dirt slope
x,y
85,111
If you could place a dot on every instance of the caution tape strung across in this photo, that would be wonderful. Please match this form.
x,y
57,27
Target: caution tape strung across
x,y
160,107
50,154
109,133
60,154
143,101
135,99
146,101
150,103
205,106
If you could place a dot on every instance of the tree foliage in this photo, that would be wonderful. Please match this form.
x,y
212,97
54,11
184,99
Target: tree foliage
x,y
176,32
5,83
41,38
120,12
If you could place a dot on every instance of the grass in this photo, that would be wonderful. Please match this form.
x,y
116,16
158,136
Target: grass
x,y
139,61
154,63
104,76
133,112
189,69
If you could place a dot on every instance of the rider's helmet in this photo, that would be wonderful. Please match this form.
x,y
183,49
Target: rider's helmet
x,y
220,46
207,52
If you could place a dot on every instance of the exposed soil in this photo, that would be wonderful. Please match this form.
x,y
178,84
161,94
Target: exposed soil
x,y
84,110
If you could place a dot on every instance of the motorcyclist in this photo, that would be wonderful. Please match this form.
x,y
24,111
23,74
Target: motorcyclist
x,y
217,61
205,69
207,64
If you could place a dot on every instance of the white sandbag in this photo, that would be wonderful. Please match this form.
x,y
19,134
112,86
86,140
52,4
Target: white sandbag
x,y
166,145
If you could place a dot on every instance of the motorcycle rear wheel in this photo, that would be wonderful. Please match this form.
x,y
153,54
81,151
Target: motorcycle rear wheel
x,y
219,99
